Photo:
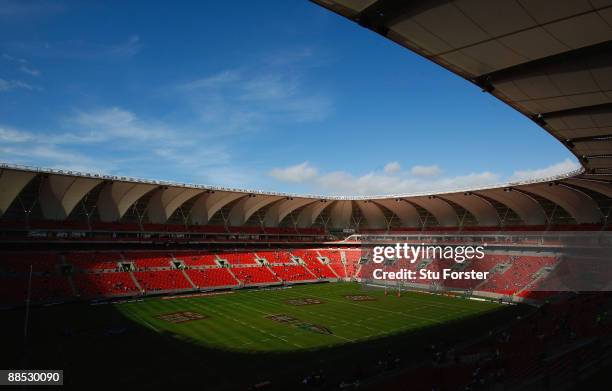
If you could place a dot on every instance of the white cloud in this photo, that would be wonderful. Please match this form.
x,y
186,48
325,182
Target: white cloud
x,y
391,181
290,57
51,156
116,135
115,122
343,183
217,80
7,85
8,57
22,63
426,171
29,71
9,135
254,99
78,49
392,167
269,87
563,167
125,49
299,173
12,10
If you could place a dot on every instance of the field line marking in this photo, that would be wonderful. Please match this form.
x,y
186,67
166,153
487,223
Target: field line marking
x,y
380,309
269,313
143,320
343,321
248,325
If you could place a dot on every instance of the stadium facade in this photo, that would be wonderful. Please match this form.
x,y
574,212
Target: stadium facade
x,y
84,237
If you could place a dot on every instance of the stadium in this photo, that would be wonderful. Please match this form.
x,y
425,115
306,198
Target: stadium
x,y
124,282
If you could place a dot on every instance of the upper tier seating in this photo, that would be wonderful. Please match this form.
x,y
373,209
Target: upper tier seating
x,y
195,259
148,260
244,258
275,256
94,260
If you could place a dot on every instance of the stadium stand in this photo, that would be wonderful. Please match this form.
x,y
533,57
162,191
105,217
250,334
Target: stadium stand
x,y
254,275
335,261
94,260
310,258
99,274
162,280
144,261
101,285
210,278
276,256
291,273
196,259
240,258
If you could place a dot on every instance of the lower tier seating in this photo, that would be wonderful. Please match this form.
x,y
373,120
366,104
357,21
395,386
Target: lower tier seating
x,y
310,258
96,285
99,275
254,275
162,280
292,273
211,277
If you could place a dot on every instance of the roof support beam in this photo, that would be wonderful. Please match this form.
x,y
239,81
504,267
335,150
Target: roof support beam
x,y
604,48
341,214
439,208
280,210
310,213
580,206
11,184
210,203
525,207
383,14
244,209
407,213
485,213
59,194
584,110
166,200
375,217
116,198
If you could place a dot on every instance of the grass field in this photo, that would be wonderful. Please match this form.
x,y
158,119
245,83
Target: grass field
x,y
277,335
297,318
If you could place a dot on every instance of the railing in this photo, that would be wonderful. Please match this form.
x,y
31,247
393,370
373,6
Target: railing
x,y
566,175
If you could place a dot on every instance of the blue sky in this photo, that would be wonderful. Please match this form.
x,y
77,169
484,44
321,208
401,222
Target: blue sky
x,y
275,95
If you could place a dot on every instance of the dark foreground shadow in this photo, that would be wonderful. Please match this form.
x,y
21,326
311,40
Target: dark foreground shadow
x,y
98,346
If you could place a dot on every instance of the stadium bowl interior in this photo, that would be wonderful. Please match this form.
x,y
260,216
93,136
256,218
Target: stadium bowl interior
x,y
160,284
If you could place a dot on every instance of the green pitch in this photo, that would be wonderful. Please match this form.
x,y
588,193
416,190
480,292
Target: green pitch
x,y
298,318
